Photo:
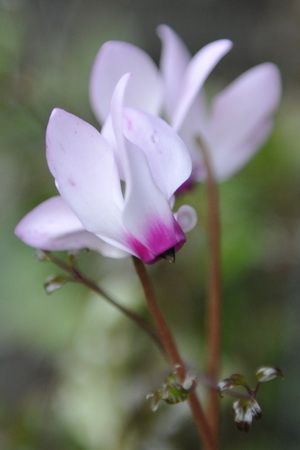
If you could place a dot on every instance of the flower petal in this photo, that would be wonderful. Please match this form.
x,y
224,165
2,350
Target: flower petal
x,y
166,154
241,115
147,214
114,59
173,63
53,226
186,216
85,172
196,73
229,161
147,217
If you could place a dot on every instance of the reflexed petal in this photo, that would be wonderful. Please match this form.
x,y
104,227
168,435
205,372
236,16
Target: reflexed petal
x,y
117,120
114,126
53,226
241,117
186,216
196,73
85,172
173,63
229,161
114,59
109,135
166,154
247,102
147,214
147,217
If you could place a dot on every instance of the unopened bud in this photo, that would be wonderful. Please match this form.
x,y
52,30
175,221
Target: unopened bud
x,y
265,374
235,380
54,282
41,255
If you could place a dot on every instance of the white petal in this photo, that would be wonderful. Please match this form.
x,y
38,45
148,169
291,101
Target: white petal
x,y
186,216
195,75
241,115
53,226
109,135
249,100
116,117
114,59
166,154
173,63
86,174
229,161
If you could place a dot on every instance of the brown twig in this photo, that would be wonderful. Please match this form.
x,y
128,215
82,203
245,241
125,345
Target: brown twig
x,y
173,354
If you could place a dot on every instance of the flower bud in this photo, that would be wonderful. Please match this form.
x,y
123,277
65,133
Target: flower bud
x,y
54,282
265,374
235,380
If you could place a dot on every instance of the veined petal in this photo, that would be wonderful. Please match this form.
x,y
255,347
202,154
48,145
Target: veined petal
x,y
241,117
53,226
167,155
173,63
85,172
196,73
147,214
114,59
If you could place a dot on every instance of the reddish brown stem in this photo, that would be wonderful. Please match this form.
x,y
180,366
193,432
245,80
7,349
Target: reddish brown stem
x,y
214,288
173,354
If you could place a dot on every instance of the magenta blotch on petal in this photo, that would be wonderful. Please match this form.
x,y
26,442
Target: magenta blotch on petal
x,y
159,239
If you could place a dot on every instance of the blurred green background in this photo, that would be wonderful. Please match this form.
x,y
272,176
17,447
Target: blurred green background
x,y
74,373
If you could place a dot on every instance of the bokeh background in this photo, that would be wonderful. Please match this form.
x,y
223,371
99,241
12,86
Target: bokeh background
x,y
73,372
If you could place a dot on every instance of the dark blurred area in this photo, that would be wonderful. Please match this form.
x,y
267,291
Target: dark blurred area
x,y
74,374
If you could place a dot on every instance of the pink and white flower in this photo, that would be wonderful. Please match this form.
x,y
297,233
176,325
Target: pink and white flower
x,y
234,126
114,197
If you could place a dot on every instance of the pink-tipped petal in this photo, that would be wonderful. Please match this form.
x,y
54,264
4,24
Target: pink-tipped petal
x,y
186,216
53,226
114,59
241,116
195,75
147,214
173,63
85,172
166,154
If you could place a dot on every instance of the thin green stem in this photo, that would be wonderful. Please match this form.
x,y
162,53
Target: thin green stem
x,y
214,288
172,353
78,277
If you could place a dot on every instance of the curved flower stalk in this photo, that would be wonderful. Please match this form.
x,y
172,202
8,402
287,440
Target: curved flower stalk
x,y
234,126
114,197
